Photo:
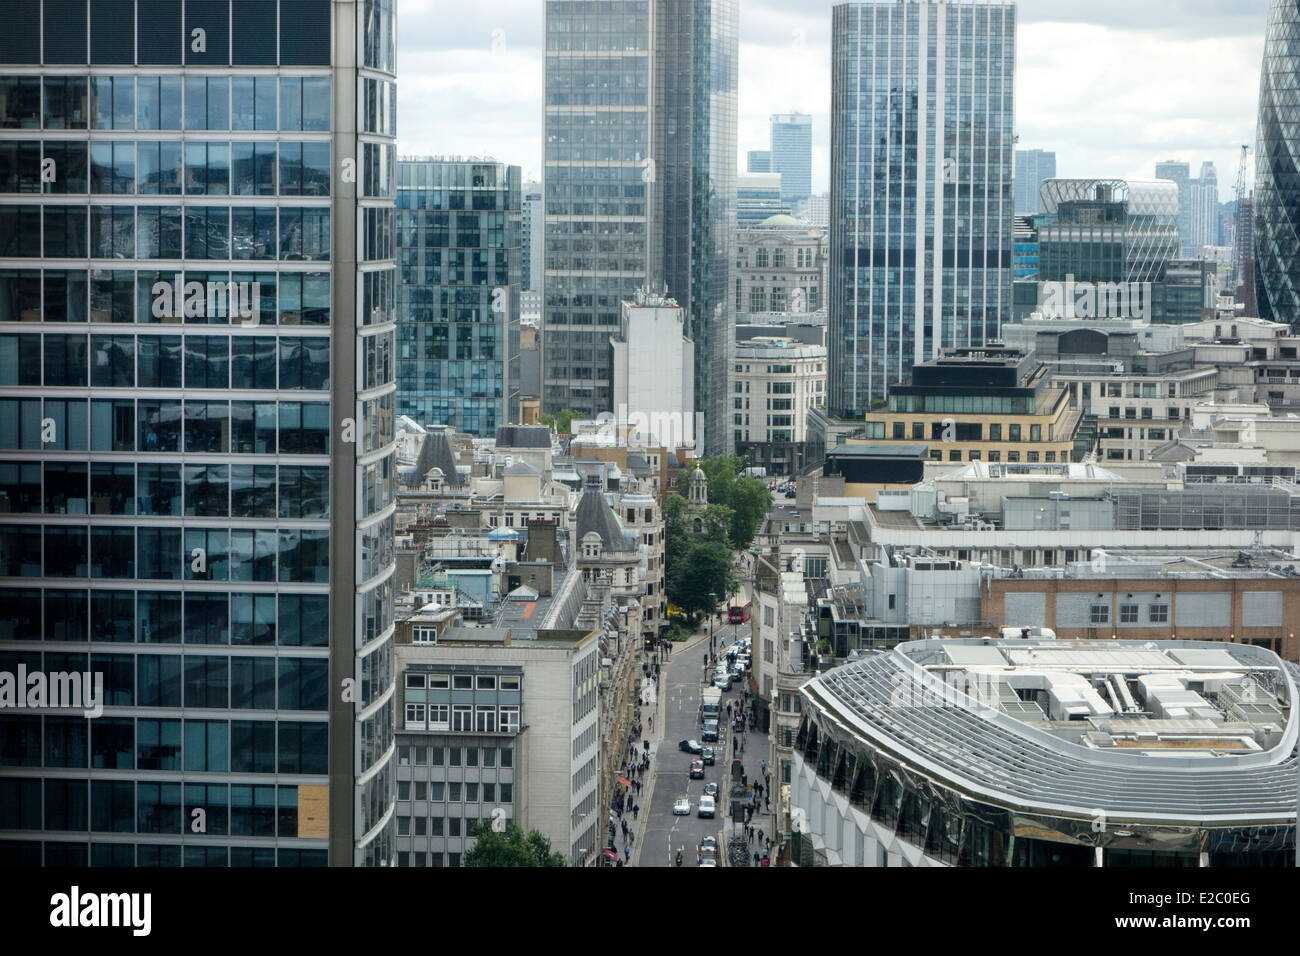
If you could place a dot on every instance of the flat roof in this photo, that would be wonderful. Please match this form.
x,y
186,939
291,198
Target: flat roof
x,y
878,451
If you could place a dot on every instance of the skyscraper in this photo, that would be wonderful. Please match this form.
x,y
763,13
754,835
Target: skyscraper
x,y
1203,217
921,187
1276,206
759,161
792,154
458,297
1032,167
531,242
651,201
1180,173
196,429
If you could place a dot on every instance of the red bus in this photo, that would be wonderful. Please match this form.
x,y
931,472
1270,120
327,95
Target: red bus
x,y
738,613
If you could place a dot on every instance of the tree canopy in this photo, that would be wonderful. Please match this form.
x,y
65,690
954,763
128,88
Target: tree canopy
x,y
699,560
562,421
510,847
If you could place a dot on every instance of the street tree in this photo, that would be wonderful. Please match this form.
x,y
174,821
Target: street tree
x,y
510,847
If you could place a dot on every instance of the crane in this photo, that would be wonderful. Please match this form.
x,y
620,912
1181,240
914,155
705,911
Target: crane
x,y
1239,251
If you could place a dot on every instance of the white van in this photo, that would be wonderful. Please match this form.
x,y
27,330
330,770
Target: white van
x,y
707,806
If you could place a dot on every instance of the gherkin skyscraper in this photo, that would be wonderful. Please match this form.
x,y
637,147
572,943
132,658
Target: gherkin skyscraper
x,y
1277,186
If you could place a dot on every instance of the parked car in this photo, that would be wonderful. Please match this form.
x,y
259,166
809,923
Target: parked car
x,y
710,731
682,807
708,756
722,682
707,807
689,746
697,769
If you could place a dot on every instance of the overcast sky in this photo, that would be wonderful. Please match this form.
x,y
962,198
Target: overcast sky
x,y
1113,86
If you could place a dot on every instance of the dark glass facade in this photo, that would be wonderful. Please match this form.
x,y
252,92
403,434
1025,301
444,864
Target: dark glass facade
x,y
1277,176
639,186
922,201
183,425
458,241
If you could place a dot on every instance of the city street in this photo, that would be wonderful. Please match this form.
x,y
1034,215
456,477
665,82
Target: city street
x,y
660,834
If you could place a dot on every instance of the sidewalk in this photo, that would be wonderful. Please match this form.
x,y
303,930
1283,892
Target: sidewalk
x,y
756,750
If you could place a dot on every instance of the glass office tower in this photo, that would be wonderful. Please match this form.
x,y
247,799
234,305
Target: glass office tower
x,y
1032,167
1276,203
792,155
921,187
458,241
639,187
196,438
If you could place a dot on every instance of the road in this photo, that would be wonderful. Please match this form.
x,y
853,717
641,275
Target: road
x,y
660,834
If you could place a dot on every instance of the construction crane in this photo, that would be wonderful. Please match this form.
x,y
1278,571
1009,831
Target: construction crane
x,y
1239,251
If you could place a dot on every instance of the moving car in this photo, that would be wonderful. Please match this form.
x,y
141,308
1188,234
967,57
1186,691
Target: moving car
x,y
711,790
722,682
710,731
709,842
708,757
689,746
697,769
708,856
682,807
707,807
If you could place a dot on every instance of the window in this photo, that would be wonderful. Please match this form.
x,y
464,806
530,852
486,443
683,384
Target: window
x,y
1099,614
1158,613
462,718
509,721
1128,613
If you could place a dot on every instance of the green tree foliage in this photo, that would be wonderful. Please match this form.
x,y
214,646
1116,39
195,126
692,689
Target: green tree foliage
x,y
562,422
699,548
705,568
510,848
748,498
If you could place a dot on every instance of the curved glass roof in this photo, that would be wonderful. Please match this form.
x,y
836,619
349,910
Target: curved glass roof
x,y
1132,766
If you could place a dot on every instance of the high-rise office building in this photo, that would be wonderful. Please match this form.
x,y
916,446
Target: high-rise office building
x,y
1276,205
921,234
196,429
792,154
759,161
1181,174
1032,167
458,293
758,198
650,204
1204,214
531,239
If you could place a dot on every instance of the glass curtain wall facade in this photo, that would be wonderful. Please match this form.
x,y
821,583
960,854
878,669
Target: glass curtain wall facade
x,y
598,188
1276,205
640,173
458,241
1032,167
695,144
181,430
921,188
792,154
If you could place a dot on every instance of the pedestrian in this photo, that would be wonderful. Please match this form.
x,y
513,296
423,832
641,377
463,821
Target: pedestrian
x,y
636,811
756,858
760,834
768,801
627,854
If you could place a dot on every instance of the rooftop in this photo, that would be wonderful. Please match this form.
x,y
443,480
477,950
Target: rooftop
x,y
1168,733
